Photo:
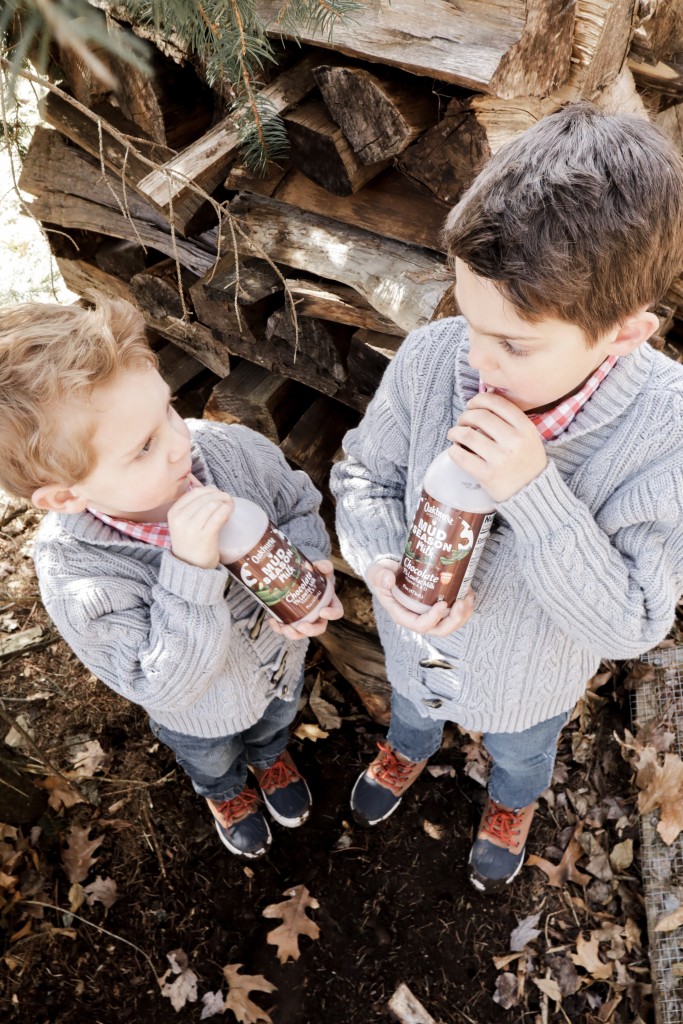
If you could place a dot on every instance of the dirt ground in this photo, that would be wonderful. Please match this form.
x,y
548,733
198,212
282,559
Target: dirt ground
x,y
394,902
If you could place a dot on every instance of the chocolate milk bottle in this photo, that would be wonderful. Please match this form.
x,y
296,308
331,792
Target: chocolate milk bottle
x,y
446,539
271,567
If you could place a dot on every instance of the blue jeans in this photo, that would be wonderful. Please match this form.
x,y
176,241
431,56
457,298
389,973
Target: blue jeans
x,y
218,767
522,761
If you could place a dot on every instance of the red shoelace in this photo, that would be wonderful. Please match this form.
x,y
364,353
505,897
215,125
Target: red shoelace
x,y
392,772
240,807
278,775
502,824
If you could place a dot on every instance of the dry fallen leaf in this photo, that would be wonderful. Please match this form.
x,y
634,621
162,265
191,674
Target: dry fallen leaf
x,y
670,922
549,987
586,956
213,1003
506,990
89,758
61,793
237,999
665,790
184,988
326,713
294,922
566,870
102,890
77,858
621,855
477,761
310,731
432,830
525,932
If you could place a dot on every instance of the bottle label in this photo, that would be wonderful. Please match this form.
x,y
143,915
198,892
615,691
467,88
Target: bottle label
x,y
442,551
280,577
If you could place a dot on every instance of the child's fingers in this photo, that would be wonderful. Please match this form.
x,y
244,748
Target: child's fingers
x,y
325,566
456,618
411,620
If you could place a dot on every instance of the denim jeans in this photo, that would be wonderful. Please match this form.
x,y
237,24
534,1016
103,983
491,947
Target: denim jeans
x,y
522,762
218,767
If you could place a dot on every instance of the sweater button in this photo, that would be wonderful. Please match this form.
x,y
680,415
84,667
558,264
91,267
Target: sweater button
x,y
432,703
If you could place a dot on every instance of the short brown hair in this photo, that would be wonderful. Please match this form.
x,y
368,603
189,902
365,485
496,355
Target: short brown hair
x,y
50,356
580,218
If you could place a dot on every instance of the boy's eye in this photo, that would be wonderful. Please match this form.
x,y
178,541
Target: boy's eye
x,y
145,449
512,350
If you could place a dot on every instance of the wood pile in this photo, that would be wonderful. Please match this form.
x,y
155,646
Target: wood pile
x,y
388,122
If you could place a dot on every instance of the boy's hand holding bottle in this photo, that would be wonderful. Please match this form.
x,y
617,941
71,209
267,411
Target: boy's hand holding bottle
x,y
440,620
300,596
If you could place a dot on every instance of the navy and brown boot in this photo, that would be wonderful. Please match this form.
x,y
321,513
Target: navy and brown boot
x,y
241,825
284,791
379,789
497,853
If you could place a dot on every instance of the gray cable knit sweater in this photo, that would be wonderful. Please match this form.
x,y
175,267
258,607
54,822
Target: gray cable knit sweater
x,y
585,562
165,634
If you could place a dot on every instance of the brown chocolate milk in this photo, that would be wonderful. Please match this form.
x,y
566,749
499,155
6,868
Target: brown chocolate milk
x,y
444,544
271,567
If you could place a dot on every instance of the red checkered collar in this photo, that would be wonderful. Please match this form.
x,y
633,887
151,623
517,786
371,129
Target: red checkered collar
x,y
553,422
150,533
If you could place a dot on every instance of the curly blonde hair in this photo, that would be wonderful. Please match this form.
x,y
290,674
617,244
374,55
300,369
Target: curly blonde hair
x,y
53,356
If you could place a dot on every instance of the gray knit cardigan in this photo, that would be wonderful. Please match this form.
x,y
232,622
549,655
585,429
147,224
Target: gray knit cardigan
x,y
165,634
584,563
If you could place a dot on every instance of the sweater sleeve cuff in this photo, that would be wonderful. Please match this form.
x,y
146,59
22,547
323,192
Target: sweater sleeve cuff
x,y
189,582
541,507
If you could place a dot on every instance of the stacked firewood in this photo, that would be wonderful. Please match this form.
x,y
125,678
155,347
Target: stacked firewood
x,y
388,122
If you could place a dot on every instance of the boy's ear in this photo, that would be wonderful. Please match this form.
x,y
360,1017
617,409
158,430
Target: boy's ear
x,y
57,498
634,332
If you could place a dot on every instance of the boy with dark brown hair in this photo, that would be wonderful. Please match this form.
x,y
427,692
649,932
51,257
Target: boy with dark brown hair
x,y
555,403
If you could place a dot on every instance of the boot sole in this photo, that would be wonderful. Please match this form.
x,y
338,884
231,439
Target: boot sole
x,y
360,818
249,855
491,886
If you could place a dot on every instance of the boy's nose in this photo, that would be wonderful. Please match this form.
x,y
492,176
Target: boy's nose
x,y
481,358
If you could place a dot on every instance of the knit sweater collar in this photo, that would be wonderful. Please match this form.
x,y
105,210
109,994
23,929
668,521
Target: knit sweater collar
x,y
617,392
84,526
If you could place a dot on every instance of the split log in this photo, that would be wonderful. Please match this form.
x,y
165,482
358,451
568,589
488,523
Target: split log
x,y
82,79
388,205
314,352
242,178
176,367
246,281
82,277
206,160
84,132
157,290
401,282
665,77
319,149
659,34
357,654
379,113
311,444
521,48
124,259
369,355
264,401
328,300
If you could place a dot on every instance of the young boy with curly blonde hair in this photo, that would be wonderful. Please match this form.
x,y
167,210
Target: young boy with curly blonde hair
x,y
127,557
554,402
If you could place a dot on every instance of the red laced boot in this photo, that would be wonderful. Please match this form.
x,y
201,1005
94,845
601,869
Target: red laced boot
x,y
379,789
241,825
284,791
497,853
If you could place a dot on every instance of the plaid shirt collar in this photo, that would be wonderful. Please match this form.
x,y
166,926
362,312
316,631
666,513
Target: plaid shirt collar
x,y
555,421
150,533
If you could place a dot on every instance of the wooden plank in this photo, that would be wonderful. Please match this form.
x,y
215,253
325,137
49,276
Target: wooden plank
x,y
512,48
328,300
388,205
210,155
369,355
401,282
311,444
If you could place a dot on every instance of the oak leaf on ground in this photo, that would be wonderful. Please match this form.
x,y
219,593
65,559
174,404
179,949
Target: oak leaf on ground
x,y
586,956
670,922
237,999
89,758
326,713
294,922
61,793
664,790
506,994
566,870
102,890
310,731
525,932
77,858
